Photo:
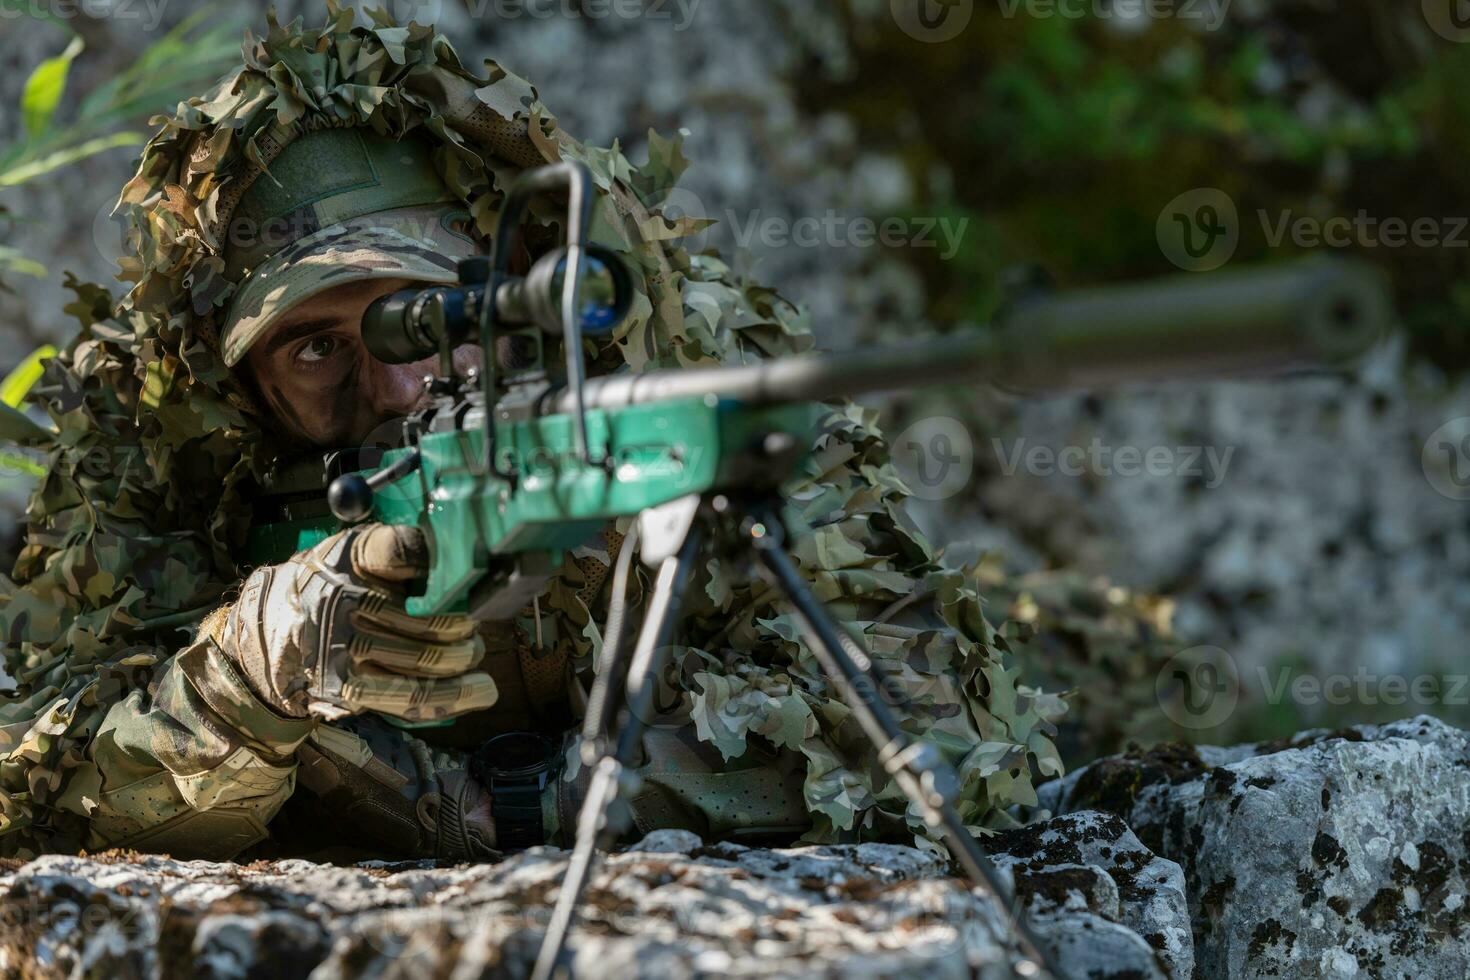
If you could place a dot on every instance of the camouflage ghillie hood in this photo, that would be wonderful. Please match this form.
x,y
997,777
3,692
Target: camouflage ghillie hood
x,y
134,531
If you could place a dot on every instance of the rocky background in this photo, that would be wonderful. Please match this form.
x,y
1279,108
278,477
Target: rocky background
x,y
1310,530
1311,527
1333,855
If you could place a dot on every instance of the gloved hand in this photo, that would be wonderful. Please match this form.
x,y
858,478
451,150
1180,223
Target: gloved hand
x,y
326,634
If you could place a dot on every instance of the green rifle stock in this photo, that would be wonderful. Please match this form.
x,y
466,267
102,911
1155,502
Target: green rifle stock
x,y
504,492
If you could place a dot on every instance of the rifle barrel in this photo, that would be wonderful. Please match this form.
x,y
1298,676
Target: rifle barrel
x,y
1245,323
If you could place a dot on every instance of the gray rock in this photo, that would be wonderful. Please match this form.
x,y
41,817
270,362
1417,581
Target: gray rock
x,y
1091,863
1332,854
669,907
1319,490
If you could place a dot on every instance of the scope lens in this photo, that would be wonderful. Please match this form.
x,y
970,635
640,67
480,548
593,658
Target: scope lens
x,y
603,299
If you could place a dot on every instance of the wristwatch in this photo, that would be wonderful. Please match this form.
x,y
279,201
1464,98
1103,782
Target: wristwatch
x,y
515,768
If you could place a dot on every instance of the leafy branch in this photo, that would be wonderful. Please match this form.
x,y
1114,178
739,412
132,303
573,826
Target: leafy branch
x,y
186,56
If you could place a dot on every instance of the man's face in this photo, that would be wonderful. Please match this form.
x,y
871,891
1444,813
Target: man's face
x,y
319,380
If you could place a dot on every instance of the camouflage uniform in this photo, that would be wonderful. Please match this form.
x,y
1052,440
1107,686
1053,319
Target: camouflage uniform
x,y
129,728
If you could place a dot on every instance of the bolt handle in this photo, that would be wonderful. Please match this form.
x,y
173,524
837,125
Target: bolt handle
x,y
351,498
351,495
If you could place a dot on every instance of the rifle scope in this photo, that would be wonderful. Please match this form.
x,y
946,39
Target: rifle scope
x,y
413,324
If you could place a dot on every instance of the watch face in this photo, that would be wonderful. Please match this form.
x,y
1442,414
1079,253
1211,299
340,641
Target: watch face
x,y
517,754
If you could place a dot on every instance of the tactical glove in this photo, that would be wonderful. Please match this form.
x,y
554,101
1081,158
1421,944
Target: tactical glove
x,y
326,634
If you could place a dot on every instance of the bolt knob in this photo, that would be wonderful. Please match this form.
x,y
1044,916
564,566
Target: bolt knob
x,y
351,498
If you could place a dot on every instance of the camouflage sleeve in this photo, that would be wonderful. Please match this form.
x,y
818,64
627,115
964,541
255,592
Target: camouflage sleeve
x,y
197,767
115,562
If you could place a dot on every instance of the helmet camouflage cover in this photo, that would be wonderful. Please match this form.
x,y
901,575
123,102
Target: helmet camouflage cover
x,y
135,530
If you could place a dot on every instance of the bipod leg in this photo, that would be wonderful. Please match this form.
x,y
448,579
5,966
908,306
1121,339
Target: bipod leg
x,y
914,764
598,827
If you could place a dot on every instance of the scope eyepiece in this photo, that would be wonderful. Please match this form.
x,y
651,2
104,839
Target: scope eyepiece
x,y
407,326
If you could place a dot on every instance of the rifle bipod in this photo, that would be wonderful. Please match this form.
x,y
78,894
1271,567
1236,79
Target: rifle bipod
x,y
671,540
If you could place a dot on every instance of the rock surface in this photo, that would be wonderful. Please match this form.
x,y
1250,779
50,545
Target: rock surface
x,y
669,907
1088,866
1284,503
1335,854
1332,854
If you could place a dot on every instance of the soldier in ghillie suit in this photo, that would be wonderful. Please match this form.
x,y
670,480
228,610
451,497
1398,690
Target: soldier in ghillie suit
x,y
170,699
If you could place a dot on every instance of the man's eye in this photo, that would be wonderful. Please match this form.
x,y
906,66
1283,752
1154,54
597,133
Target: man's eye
x,y
317,349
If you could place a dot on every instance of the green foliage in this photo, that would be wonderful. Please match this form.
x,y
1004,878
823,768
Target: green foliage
x,y
1064,139
43,90
54,138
